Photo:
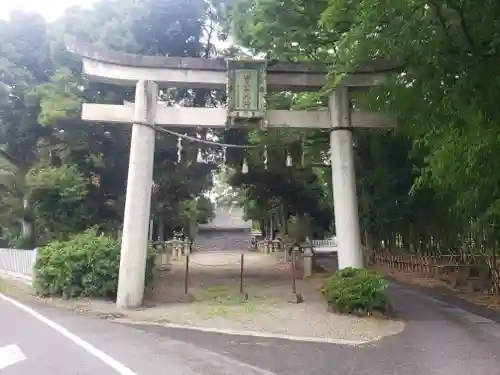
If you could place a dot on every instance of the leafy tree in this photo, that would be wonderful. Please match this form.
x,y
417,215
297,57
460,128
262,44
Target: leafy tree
x,y
41,131
431,185
23,65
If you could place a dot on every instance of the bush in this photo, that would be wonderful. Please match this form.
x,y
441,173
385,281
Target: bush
x,y
87,265
356,291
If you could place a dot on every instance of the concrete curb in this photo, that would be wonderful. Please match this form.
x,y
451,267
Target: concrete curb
x,y
267,335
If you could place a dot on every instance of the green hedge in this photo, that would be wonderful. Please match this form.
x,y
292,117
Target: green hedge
x,y
357,291
86,265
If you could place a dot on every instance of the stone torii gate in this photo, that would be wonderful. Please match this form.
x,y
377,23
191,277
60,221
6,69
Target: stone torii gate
x,y
247,83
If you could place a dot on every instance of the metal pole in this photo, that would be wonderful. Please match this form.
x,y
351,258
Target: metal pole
x,y
186,275
241,271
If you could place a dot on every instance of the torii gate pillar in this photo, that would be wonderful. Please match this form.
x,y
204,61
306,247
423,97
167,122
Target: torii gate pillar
x,y
345,198
138,199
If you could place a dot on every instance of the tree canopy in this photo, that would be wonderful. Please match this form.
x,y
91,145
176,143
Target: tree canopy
x,y
431,184
60,175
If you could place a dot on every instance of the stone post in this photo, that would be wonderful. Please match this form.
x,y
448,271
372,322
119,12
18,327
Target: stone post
x,y
138,199
268,246
168,251
260,246
276,246
344,183
176,246
307,257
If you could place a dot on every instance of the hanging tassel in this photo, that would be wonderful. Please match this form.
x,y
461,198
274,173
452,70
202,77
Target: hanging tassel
x,y
179,149
199,157
244,167
265,158
224,155
288,160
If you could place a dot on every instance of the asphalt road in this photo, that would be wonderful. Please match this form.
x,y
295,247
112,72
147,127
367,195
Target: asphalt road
x,y
45,349
439,339
63,343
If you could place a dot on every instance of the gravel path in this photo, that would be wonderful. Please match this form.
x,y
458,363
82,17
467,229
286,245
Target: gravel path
x,y
214,282
214,285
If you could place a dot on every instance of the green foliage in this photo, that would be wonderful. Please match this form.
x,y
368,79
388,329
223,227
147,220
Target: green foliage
x,y
57,194
194,212
299,228
85,265
432,184
356,291
205,210
46,143
274,194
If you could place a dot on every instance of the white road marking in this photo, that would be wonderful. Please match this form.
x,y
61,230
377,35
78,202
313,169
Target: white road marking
x,y
266,335
10,355
111,362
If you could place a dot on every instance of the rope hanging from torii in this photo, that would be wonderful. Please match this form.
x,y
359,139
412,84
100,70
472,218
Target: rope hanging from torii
x,y
224,146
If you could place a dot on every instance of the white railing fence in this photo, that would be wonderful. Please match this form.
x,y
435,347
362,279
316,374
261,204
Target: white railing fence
x,y
17,263
325,243
325,246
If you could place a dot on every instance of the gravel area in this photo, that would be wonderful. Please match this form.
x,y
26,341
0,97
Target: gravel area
x,y
216,302
305,320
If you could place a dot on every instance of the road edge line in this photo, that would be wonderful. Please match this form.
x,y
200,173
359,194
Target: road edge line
x,y
89,348
257,334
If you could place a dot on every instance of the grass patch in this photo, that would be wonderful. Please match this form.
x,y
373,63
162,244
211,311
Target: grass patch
x,y
222,295
225,302
15,287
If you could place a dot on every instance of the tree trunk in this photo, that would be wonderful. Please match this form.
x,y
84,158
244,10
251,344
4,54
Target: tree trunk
x,y
161,230
285,222
495,271
28,225
262,225
369,244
